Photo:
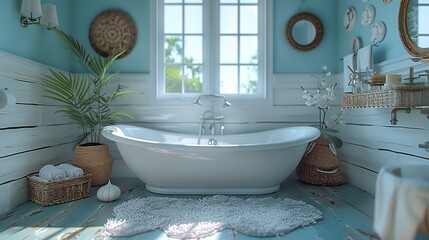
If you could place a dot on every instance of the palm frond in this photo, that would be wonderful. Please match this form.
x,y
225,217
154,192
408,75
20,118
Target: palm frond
x,y
86,101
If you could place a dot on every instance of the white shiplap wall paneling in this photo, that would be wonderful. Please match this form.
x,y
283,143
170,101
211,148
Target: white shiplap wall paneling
x,y
20,165
32,134
371,142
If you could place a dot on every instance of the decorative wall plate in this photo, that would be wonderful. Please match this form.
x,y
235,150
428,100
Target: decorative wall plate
x,y
350,18
378,32
368,15
111,32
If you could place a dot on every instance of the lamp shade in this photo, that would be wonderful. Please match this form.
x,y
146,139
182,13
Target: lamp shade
x,y
31,8
49,18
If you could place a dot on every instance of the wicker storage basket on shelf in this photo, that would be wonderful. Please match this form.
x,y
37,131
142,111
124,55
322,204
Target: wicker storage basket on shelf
x,y
320,165
386,98
60,191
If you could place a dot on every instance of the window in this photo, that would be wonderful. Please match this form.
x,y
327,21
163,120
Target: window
x,y
210,46
422,26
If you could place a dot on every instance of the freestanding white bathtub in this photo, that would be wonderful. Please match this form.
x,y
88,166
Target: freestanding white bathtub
x,y
172,163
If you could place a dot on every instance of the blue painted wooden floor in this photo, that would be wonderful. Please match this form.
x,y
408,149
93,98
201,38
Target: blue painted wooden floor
x,y
347,214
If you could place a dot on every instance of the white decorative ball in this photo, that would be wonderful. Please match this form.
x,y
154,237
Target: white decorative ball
x,y
108,192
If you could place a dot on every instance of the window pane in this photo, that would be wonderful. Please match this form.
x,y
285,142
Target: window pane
x,y
193,79
193,1
228,49
193,19
249,49
228,19
172,1
193,49
249,1
173,79
248,79
423,19
173,49
228,1
173,19
228,79
249,19
423,41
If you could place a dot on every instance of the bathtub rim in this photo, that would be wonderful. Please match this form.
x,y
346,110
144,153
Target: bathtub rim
x,y
107,132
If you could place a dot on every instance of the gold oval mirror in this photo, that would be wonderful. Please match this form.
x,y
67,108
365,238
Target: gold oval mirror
x,y
304,31
413,27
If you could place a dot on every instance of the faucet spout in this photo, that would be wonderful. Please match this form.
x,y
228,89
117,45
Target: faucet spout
x,y
209,117
393,114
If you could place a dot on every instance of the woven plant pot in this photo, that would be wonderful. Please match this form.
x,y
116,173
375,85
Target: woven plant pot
x,y
95,160
320,164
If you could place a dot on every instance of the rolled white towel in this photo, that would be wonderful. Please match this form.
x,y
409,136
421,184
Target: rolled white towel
x,y
71,171
39,179
50,172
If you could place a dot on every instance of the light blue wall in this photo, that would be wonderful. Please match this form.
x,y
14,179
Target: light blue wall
x,y
289,60
34,42
75,17
390,48
86,10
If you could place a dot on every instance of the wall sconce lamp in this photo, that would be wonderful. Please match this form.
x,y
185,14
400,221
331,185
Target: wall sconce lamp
x,y
32,12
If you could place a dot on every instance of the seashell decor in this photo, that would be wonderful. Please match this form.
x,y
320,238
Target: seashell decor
x,y
108,192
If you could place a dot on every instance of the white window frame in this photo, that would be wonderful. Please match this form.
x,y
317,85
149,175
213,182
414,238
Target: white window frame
x,y
211,84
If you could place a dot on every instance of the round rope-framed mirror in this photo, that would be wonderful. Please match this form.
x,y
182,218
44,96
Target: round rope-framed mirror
x,y
414,41
304,31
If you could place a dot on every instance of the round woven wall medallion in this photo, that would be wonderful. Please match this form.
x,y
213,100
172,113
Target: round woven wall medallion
x,y
111,32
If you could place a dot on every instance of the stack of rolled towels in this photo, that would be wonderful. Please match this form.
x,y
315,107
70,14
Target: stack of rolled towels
x,y
60,172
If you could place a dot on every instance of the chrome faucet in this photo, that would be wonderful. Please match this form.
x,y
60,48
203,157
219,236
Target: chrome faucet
x,y
209,117
393,113
212,128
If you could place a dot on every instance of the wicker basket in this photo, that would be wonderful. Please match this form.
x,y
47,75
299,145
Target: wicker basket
x,y
95,160
321,165
387,98
57,192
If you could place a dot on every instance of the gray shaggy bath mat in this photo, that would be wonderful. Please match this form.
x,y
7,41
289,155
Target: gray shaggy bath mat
x,y
195,218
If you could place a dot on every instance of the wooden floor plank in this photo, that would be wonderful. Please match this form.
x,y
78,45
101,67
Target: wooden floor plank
x,y
357,225
346,215
329,227
356,197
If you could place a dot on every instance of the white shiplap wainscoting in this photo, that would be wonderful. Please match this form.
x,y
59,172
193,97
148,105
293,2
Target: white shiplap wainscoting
x,y
371,142
31,133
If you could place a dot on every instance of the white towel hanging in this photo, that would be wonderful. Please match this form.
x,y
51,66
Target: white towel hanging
x,y
365,59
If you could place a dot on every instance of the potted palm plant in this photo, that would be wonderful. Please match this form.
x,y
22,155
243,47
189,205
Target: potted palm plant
x,y
86,99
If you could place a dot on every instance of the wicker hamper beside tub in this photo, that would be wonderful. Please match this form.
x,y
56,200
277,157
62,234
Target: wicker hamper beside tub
x,y
320,164
57,192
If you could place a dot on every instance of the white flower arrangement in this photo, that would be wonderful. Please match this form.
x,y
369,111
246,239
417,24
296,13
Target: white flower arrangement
x,y
324,94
